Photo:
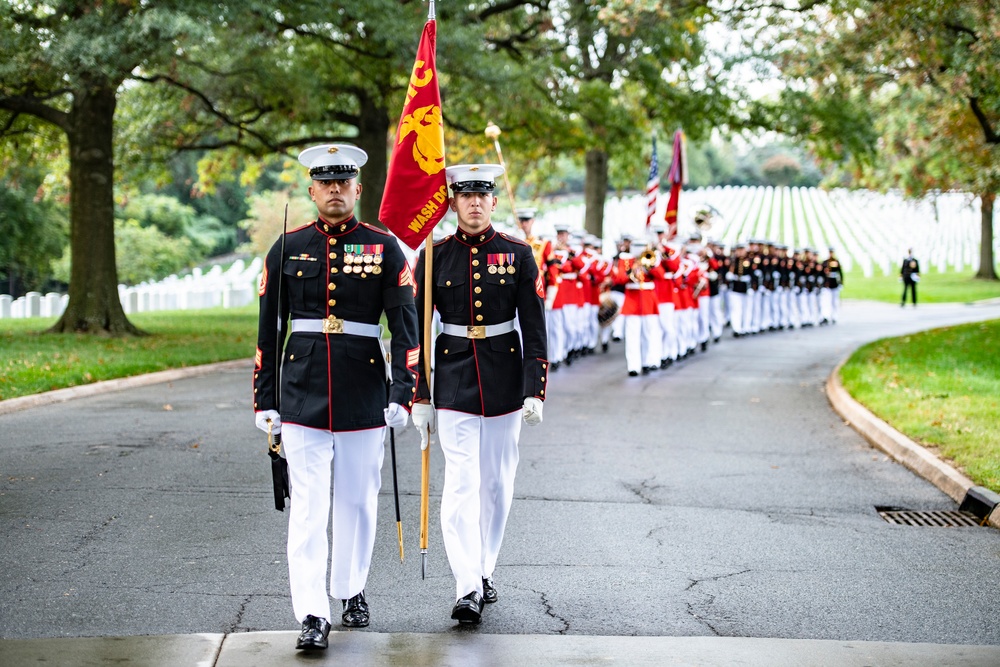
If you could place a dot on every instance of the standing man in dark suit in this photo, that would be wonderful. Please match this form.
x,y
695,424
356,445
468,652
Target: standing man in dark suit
x,y
338,276
486,378
910,275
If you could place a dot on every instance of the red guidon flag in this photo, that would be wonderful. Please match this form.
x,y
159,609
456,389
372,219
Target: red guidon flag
x,y
416,193
677,177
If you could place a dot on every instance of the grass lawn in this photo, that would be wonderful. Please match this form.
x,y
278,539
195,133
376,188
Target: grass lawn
x,y
33,362
933,287
941,388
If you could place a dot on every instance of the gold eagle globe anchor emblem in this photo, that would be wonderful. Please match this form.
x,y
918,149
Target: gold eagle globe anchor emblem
x,y
428,147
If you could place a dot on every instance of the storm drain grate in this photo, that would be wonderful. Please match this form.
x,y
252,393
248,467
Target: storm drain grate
x,y
928,518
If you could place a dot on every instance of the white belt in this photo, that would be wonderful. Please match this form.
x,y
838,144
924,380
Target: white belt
x,y
477,331
335,325
639,286
570,276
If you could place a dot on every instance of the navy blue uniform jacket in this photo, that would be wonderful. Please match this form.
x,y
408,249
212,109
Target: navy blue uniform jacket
x,y
335,382
485,376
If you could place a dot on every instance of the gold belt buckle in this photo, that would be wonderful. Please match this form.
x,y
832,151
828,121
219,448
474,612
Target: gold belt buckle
x,y
475,331
333,325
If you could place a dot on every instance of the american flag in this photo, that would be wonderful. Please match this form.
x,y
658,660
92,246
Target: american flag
x,y
652,186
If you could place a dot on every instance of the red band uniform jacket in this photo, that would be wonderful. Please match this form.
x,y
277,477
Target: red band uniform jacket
x,y
336,382
485,376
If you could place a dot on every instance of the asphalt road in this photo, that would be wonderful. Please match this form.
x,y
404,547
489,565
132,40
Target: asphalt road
x,y
722,497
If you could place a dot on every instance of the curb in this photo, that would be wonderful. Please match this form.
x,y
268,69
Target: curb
x,y
903,450
106,386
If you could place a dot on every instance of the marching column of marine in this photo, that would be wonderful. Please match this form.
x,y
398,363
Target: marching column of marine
x,y
669,298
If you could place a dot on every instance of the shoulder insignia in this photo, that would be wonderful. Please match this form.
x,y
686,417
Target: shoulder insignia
x,y
374,228
301,227
514,239
444,240
262,287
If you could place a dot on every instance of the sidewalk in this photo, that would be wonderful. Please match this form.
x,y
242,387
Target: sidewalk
x,y
470,649
690,517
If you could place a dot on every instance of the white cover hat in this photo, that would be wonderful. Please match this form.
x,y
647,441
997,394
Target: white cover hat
x,y
333,162
473,177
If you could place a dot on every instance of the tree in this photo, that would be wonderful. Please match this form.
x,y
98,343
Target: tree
x,y
63,64
920,81
781,169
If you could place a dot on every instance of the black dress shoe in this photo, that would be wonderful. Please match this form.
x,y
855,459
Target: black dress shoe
x,y
355,612
489,591
704,346
633,374
314,634
469,609
604,347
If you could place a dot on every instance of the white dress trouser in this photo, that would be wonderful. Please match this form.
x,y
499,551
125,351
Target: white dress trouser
x,y
618,326
556,322
749,306
643,341
668,329
357,478
717,319
480,459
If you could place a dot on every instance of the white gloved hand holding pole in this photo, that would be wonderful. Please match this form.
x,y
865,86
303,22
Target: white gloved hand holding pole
x,y
261,418
425,419
532,412
395,416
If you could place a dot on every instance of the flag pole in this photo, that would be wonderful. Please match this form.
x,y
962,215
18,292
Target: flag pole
x,y
493,132
425,455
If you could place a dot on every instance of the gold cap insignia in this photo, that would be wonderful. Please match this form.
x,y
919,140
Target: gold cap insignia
x,y
332,149
473,168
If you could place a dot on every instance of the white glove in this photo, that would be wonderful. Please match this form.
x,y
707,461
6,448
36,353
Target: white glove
x,y
395,416
532,412
425,419
262,417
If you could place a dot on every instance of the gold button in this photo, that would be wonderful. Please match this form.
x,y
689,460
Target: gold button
x,y
333,241
333,269
255,390
479,318
364,275
503,281
299,274
478,289
256,375
333,255
255,405
483,237
476,276
542,392
343,227
291,356
410,403
545,365
447,283
326,228
413,391
372,360
446,351
511,349
479,304
475,251
331,286
332,302
543,378
475,262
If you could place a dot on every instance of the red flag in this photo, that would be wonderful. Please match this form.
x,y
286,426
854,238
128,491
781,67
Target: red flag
x,y
416,193
677,176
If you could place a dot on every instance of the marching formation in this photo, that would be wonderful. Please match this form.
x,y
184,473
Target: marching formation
x,y
666,299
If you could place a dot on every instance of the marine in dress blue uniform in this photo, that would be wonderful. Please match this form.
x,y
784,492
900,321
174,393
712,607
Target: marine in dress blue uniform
x,y
337,277
486,378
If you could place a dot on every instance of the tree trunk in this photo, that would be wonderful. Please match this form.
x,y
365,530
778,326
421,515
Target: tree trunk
x,y
373,133
595,190
94,305
987,267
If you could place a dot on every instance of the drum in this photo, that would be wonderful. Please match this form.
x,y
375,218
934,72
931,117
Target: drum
x,y
608,310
